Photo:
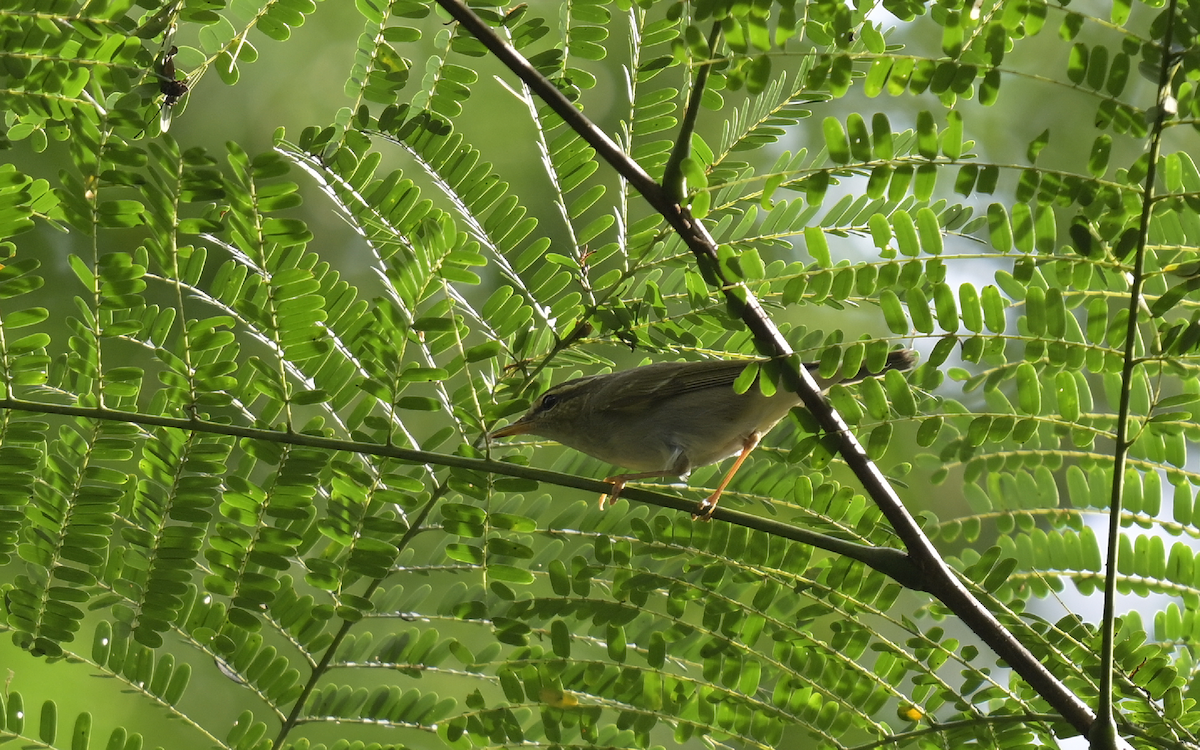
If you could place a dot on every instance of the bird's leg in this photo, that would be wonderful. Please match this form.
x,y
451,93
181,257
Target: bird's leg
x,y
705,510
618,482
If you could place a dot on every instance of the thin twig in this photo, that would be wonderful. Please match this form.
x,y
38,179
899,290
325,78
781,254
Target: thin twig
x,y
1103,735
673,171
887,560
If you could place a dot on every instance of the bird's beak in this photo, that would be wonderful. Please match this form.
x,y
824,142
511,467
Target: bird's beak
x,y
520,427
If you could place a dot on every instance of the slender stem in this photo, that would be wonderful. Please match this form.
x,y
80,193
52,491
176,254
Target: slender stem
x,y
1104,732
939,579
323,666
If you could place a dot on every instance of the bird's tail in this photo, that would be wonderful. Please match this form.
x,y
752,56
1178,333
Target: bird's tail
x,y
897,359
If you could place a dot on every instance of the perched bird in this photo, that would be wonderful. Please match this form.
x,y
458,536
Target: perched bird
x,y
666,419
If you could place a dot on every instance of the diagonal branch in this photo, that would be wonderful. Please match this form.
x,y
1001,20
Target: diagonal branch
x,y
939,579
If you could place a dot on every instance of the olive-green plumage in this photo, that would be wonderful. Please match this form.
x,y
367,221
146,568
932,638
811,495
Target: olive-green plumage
x,y
666,419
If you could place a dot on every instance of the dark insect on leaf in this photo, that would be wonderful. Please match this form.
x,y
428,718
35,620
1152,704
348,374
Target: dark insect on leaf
x,y
172,87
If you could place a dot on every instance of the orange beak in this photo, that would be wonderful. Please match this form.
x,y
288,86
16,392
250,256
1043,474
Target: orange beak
x,y
520,427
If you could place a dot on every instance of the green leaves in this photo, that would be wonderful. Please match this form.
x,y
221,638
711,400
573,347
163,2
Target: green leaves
x,y
835,141
248,436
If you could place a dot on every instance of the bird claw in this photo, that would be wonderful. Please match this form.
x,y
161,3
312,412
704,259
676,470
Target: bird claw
x,y
704,511
611,497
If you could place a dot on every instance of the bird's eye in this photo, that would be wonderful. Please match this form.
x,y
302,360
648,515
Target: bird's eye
x,y
548,401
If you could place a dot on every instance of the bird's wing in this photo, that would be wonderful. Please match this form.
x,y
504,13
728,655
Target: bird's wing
x,y
642,387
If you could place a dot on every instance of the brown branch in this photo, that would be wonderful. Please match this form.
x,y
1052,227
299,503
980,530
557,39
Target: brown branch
x,y
939,579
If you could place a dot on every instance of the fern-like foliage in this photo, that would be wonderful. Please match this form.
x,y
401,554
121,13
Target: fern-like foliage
x,y
238,461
